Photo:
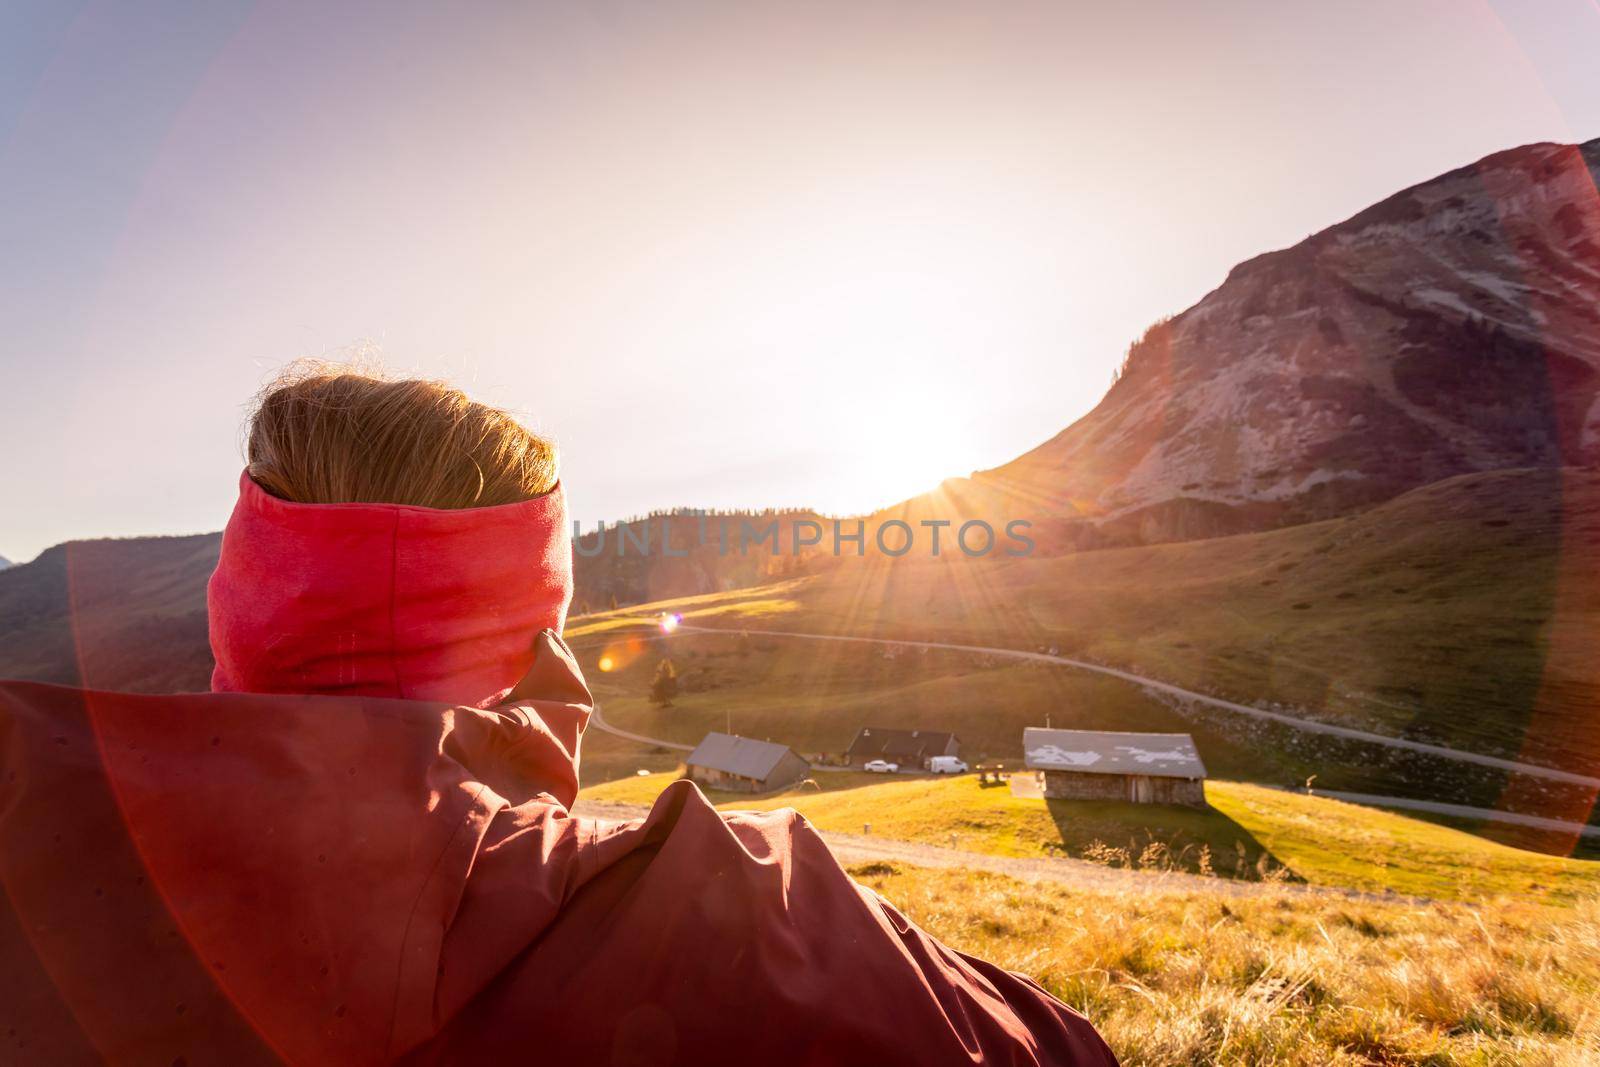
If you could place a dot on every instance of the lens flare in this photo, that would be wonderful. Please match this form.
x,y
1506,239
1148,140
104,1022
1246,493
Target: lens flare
x,y
606,663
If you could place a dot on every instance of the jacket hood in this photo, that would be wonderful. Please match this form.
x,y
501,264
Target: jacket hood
x,y
386,600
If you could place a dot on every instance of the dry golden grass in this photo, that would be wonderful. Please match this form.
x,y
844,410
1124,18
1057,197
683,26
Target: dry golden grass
x,y
1174,980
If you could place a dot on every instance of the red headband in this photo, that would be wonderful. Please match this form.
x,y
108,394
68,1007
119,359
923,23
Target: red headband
x,y
386,599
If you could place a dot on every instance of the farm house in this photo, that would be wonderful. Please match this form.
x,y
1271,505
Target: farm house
x,y
742,764
1097,765
909,748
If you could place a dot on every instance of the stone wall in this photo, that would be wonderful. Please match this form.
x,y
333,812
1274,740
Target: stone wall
x,y
1075,785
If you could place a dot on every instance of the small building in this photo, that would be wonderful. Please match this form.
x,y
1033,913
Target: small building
x,y
908,748
1096,765
742,764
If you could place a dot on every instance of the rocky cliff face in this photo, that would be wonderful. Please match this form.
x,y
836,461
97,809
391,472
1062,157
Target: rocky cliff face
x,y
1454,327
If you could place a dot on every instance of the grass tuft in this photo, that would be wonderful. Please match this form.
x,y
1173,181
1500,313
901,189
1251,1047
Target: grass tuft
x,y
1175,979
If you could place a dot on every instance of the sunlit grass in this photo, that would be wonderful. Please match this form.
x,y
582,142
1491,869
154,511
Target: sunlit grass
x,y
1251,833
764,602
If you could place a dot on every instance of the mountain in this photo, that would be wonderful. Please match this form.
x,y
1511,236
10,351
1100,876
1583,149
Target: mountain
x,y
4,563
127,613
1452,328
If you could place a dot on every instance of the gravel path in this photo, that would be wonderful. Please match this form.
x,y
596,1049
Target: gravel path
x,y
855,849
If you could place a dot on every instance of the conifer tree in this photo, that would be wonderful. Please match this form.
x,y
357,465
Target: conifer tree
x,y
665,685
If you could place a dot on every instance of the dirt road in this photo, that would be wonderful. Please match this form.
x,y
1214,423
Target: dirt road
x,y
853,850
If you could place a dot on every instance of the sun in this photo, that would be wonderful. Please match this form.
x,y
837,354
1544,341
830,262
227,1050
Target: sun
x,y
895,459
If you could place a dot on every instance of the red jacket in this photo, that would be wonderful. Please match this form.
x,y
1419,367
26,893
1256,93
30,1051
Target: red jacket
x,y
354,878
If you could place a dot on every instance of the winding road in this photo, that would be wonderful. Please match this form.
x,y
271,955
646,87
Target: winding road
x,y
1308,725
1153,685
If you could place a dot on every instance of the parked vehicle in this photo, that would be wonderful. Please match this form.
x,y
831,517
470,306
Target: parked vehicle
x,y
880,766
948,765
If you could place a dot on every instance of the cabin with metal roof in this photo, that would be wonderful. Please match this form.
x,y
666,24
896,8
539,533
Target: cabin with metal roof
x,y
743,764
1099,765
908,748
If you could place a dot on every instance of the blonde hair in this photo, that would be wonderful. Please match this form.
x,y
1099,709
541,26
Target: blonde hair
x,y
332,435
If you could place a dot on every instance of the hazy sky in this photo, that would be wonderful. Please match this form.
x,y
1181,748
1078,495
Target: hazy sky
x,y
820,253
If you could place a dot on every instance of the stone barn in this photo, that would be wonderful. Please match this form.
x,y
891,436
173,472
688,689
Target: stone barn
x,y
741,764
1094,765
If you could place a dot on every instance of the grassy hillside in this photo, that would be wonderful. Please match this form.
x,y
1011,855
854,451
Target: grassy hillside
x,y
1462,613
1176,979
1434,614
111,614
1251,832
815,695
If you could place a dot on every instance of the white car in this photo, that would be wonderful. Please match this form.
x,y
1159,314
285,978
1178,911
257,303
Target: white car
x,y
880,766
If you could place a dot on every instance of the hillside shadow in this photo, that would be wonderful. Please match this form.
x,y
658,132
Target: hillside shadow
x,y
1164,837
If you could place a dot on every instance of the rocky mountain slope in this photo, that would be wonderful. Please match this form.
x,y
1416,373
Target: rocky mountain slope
x,y
1454,327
